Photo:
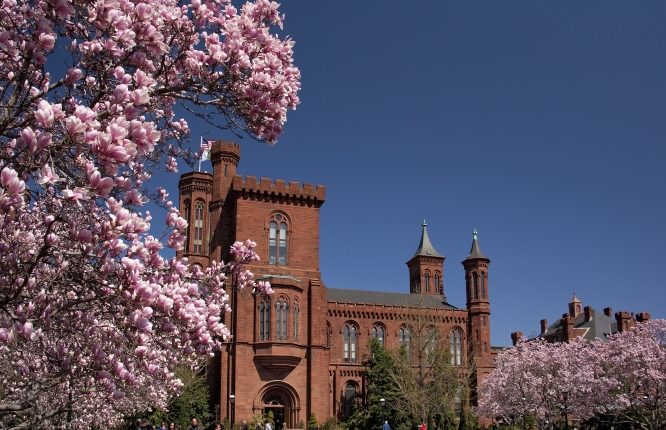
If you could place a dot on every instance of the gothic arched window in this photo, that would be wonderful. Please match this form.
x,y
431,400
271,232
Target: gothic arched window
x,y
456,347
437,282
198,226
378,333
277,240
475,278
281,318
350,396
350,342
186,215
483,285
297,314
265,319
427,282
403,339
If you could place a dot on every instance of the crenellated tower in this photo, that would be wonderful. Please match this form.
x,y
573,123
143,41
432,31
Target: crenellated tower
x,y
224,157
195,194
426,268
478,310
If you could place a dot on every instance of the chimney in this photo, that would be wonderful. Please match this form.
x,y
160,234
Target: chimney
x,y
567,325
516,337
589,313
624,322
643,316
544,326
608,312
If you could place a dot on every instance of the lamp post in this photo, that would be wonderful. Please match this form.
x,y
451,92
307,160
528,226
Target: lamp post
x,y
565,394
383,403
232,403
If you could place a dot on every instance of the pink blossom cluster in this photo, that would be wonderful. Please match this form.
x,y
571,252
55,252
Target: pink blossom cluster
x,y
622,378
93,318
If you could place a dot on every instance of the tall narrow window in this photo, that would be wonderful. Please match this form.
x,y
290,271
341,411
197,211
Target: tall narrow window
x,y
475,276
296,319
378,333
431,340
456,347
281,318
349,338
427,282
483,285
437,283
186,215
277,240
350,396
265,320
403,338
198,226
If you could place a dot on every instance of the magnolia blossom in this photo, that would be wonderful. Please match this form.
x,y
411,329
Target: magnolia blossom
x,y
622,379
93,318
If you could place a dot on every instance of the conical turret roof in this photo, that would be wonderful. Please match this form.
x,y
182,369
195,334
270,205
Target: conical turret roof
x,y
425,248
475,252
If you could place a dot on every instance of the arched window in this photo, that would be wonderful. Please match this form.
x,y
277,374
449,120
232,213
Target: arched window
x,y
281,318
265,319
431,340
186,215
297,315
350,396
456,347
427,282
350,342
438,284
277,240
475,276
403,339
198,226
378,333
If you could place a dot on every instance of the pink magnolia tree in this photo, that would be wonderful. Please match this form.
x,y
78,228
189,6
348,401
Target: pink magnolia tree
x,y
619,380
93,317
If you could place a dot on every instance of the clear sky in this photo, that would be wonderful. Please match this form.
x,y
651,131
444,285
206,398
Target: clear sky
x,y
541,124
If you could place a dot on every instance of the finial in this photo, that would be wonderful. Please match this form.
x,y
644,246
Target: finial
x,y
424,223
474,234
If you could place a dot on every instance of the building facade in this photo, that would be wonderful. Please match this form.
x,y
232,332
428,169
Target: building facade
x,y
299,351
586,322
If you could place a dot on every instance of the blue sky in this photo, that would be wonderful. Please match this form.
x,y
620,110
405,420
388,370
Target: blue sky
x,y
541,124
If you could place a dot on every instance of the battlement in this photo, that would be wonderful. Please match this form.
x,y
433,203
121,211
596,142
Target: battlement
x,y
224,148
279,187
195,180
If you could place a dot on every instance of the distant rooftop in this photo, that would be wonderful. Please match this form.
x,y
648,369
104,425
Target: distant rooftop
x,y
387,299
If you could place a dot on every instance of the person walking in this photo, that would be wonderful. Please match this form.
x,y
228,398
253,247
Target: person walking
x,y
386,426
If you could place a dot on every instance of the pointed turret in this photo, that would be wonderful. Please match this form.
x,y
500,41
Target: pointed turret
x,y
575,306
425,246
426,267
475,251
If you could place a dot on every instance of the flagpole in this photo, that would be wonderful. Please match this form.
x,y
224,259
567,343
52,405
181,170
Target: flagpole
x,y
200,157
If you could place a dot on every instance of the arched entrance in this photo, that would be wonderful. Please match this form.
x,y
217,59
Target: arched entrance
x,y
280,399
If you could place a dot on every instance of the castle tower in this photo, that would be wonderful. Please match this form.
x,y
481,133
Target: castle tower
x,y
426,268
478,311
224,157
195,193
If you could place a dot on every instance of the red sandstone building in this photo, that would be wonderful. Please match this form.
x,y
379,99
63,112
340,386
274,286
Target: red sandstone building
x,y
299,351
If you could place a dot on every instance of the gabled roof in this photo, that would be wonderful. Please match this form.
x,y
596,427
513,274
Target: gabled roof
x,y
427,301
425,248
600,326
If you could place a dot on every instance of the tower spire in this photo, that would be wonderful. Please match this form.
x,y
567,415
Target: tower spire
x,y
475,251
425,246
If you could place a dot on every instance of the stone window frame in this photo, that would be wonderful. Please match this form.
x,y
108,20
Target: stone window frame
x,y
375,332
350,341
198,234
282,317
264,313
426,280
296,318
278,254
456,346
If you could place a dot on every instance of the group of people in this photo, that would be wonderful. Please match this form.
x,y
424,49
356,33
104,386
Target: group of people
x,y
386,426
144,424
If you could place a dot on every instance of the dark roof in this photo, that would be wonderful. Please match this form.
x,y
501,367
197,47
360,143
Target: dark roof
x,y
599,326
475,251
387,299
425,247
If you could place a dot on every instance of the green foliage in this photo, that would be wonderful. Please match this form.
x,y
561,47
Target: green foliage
x,y
270,418
312,423
330,424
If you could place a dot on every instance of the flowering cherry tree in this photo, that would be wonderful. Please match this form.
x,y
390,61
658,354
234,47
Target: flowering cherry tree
x,y
93,318
622,380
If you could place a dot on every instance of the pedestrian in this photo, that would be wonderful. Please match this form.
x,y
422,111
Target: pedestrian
x,y
386,426
423,426
172,426
194,424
